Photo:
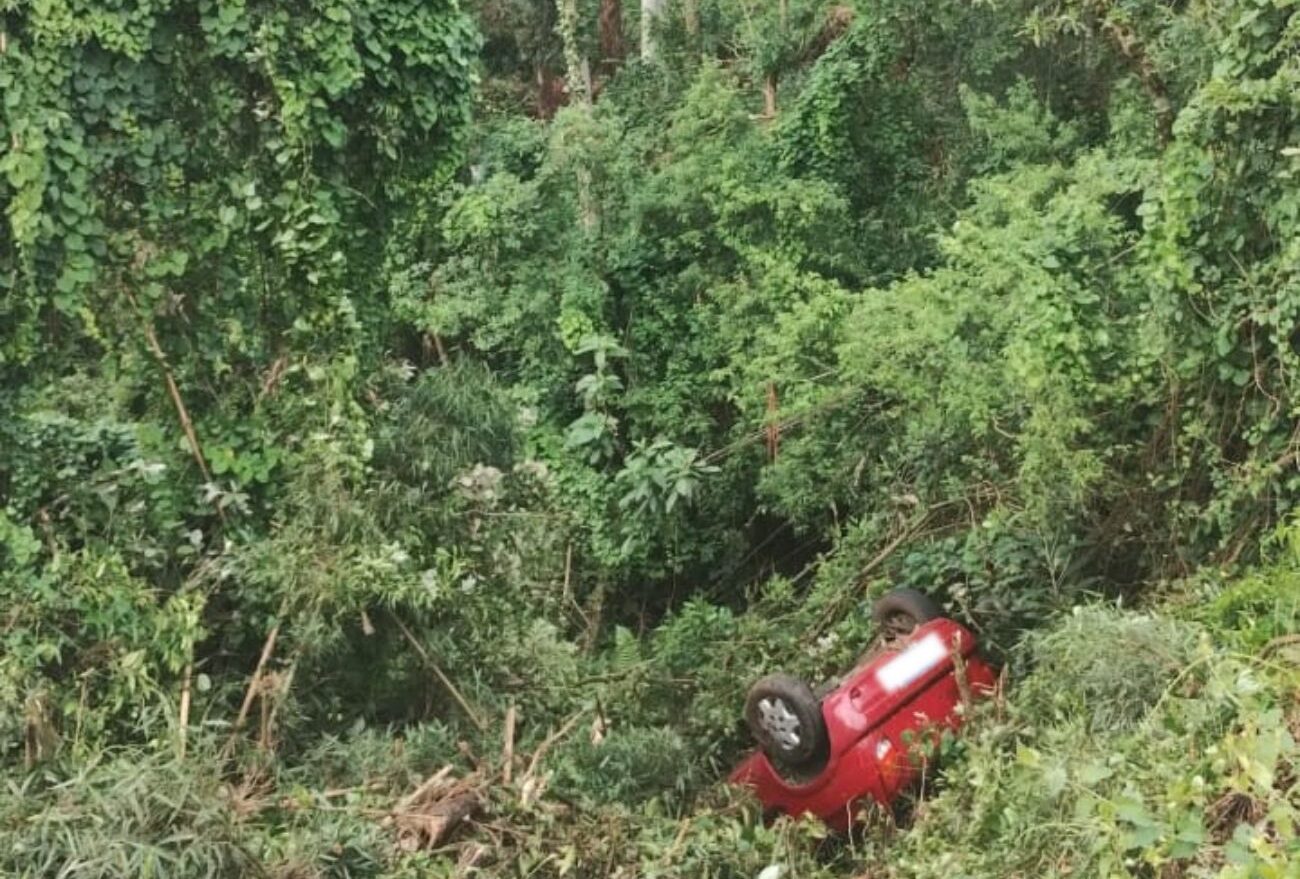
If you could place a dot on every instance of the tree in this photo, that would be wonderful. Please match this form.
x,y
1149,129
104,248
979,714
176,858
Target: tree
x,y
651,12
612,47
775,39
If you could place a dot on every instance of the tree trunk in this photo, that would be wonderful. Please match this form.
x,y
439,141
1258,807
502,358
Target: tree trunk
x,y
550,91
691,15
650,11
613,48
579,78
769,81
1133,50
577,65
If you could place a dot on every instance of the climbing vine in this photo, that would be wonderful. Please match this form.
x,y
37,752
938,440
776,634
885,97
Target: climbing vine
x,y
204,152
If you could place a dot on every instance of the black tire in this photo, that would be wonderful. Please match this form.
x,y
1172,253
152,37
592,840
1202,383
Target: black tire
x,y
899,613
786,720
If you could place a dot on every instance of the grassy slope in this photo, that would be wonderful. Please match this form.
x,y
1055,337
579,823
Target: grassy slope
x,y
1155,744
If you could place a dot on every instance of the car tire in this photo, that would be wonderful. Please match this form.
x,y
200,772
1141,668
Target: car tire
x,y
785,718
902,611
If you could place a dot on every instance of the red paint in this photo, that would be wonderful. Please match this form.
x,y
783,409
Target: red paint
x,y
879,740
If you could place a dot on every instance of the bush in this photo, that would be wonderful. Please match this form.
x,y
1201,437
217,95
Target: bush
x,y
1105,669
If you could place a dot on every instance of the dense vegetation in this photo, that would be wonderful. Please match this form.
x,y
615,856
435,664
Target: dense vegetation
x,y
388,385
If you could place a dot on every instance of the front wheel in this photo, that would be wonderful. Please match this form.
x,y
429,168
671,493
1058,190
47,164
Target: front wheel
x,y
786,720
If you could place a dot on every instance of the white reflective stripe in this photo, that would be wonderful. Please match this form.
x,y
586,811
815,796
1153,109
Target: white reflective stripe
x,y
912,663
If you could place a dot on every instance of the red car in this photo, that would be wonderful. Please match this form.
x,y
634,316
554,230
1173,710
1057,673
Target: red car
x,y
869,738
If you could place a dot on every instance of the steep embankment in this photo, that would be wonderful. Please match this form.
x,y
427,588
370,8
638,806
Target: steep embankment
x,y
1131,743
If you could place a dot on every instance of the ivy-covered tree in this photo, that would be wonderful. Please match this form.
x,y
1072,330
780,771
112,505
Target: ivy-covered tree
x,y
202,202
172,162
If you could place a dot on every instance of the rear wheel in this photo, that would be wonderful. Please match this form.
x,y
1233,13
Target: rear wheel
x,y
786,720
901,612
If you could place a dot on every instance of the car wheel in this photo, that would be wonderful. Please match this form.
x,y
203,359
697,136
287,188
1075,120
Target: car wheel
x,y
902,611
786,719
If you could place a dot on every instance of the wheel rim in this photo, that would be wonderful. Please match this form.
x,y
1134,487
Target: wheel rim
x,y
779,723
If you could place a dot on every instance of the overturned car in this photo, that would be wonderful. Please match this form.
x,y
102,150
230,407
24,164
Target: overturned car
x,y
869,737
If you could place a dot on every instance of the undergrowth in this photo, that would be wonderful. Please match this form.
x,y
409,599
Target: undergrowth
x,y
1127,744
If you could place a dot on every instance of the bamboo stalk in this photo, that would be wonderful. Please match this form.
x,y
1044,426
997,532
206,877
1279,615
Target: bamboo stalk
x,y
282,691
446,681
178,403
567,594
508,749
535,763
254,685
427,786
184,720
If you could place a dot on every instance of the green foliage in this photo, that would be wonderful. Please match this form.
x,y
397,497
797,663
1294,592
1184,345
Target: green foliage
x,y
147,814
1261,610
197,199
1108,690
623,766
700,251
593,419
1194,780
1222,254
177,150
92,645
